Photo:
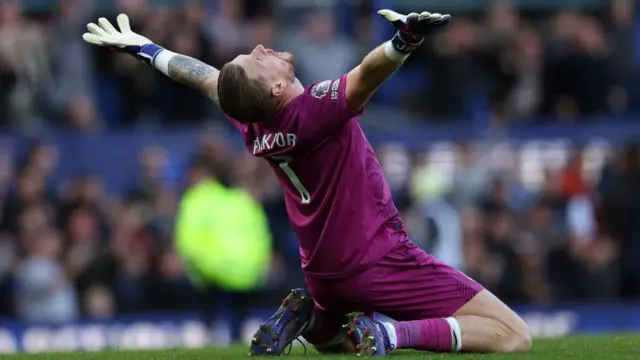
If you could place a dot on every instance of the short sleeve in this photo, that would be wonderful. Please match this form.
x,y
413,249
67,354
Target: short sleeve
x,y
325,107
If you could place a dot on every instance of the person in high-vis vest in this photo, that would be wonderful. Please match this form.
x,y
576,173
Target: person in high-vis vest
x,y
223,238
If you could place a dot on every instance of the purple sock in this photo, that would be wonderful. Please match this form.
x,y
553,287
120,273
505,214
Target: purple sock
x,y
429,334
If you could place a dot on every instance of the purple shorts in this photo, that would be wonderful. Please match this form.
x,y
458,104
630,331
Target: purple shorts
x,y
406,284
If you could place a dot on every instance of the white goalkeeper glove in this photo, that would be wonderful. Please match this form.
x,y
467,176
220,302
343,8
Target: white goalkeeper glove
x,y
106,35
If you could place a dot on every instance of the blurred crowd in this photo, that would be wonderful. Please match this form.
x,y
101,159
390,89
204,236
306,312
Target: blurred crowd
x,y
561,66
499,63
69,248
574,237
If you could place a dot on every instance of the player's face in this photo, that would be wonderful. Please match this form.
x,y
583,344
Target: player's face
x,y
273,68
276,64
268,64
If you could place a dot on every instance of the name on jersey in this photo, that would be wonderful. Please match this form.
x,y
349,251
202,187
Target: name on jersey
x,y
273,141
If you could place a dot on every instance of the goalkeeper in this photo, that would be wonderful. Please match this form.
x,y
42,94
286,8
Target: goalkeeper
x,y
356,254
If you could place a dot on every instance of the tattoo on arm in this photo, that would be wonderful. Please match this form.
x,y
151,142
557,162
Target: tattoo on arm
x,y
196,74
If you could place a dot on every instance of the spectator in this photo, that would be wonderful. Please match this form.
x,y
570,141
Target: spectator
x,y
30,197
25,64
134,251
99,303
153,168
213,227
180,104
322,54
228,29
470,179
263,31
82,114
499,237
577,79
71,61
8,259
620,24
497,55
526,95
44,292
88,260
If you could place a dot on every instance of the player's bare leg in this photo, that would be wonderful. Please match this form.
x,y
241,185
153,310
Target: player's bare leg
x,y
488,325
484,324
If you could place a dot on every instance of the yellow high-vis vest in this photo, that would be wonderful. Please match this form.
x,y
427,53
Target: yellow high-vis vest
x,y
223,237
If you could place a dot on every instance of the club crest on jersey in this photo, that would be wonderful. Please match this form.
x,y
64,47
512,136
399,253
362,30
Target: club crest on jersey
x,y
320,89
335,89
273,141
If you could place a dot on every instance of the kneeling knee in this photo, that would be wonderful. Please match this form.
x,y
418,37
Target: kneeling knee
x,y
513,342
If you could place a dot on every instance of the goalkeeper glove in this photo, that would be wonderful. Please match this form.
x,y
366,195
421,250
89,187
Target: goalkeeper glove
x,y
412,28
125,40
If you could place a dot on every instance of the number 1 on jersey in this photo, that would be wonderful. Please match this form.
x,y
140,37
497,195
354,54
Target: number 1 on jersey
x,y
283,162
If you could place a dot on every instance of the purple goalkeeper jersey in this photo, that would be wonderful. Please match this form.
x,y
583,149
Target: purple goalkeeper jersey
x,y
337,198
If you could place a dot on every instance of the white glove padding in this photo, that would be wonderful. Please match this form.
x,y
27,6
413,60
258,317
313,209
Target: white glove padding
x,y
415,25
106,34
411,30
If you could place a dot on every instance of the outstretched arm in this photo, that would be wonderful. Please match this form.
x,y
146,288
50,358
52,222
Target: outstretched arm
x,y
196,74
364,80
183,69
382,62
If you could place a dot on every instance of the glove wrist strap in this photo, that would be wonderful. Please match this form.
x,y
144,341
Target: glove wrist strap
x,y
156,56
393,54
147,53
399,48
403,44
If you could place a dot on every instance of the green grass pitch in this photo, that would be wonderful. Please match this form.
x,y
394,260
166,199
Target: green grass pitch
x,y
612,347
